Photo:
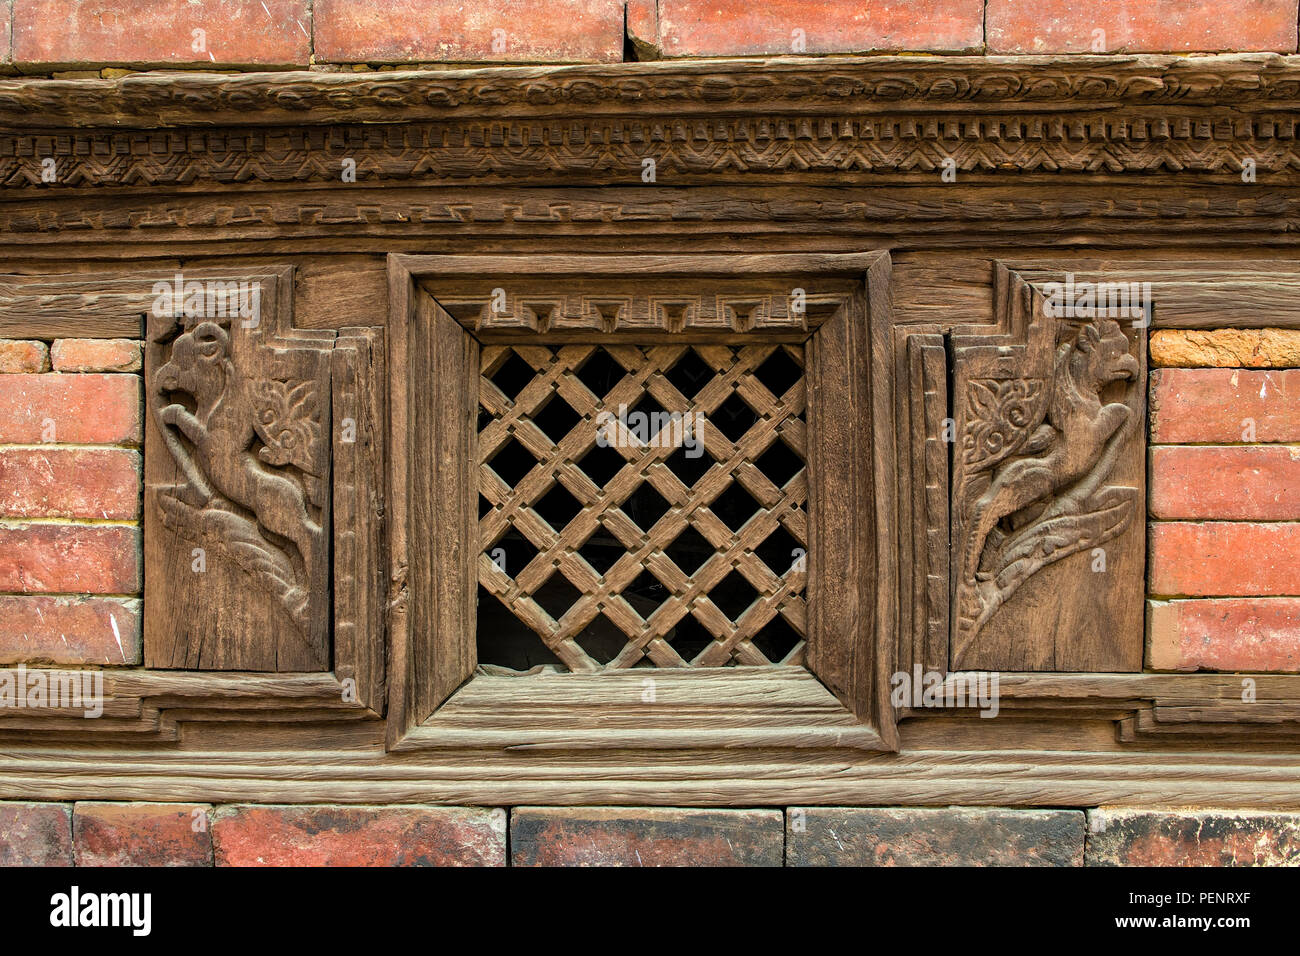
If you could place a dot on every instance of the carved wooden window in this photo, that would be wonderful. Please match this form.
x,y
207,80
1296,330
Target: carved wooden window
x,y
574,536
642,505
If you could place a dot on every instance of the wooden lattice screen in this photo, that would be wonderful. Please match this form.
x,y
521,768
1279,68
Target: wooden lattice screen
x,y
625,552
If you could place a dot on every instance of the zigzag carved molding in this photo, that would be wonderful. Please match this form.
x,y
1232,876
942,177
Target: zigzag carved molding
x,y
721,148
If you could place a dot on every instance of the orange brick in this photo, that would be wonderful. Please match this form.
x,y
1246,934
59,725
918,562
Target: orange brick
x,y
73,409
1224,558
95,355
739,27
358,836
1224,634
142,834
17,355
1239,482
1224,405
557,31
59,482
40,629
1151,26
161,32
70,559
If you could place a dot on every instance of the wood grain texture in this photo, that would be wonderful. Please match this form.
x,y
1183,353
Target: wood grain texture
x,y
75,306
655,710
846,501
360,564
443,504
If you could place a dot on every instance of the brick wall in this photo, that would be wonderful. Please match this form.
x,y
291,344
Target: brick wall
x,y
70,467
83,37
1224,563
175,834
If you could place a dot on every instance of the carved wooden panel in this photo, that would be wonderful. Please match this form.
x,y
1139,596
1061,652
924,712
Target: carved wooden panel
x,y
1048,496
237,481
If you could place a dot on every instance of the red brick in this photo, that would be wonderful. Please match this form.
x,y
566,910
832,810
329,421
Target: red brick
x,y
35,834
1243,482
1219,405
1122,837
95,355
951,836
59,482
740,27
18,355
644,836
643,24
38,629
70,559
1224,634
564,31
142,834
71,409
1151,26
160,32
1224,558
359,836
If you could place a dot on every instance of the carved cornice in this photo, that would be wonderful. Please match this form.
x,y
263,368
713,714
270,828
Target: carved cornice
x,y
836,120
825,85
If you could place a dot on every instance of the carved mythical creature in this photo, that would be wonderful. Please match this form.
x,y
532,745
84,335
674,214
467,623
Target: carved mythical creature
x,y
232,497
1042,500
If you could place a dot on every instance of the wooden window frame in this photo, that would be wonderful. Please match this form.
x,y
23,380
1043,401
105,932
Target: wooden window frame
x,y
436,700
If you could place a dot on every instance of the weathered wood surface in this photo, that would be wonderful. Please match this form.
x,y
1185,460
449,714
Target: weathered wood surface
x,y
360,564
237,486
1048,491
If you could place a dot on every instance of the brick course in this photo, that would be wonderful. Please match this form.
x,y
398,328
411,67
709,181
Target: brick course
x,y
71,409
1152,26
70,559
1122,837
1242,483
1224,406
142,834
90,36
1224,634
95,355
161,32
1224,559
359,836
639,836
54,482
955,836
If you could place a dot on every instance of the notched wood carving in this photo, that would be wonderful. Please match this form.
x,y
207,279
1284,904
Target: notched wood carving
x,y
243,414
1040,427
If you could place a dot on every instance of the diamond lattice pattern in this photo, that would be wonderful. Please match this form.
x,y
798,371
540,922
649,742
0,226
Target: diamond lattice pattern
x,y
637,553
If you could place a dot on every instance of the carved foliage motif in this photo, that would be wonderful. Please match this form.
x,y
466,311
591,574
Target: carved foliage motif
x,y
244,417
1041,427
1093,81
